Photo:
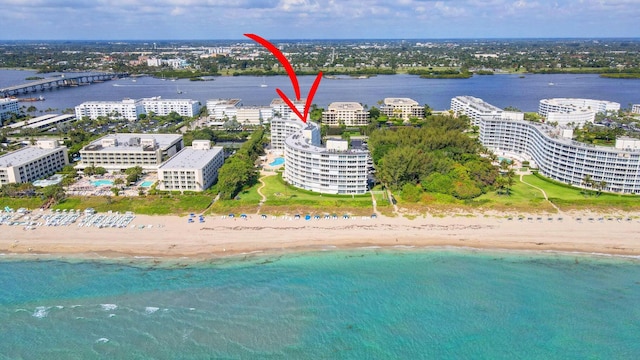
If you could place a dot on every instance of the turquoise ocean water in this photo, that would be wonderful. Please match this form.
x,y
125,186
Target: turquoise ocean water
x,y
361,304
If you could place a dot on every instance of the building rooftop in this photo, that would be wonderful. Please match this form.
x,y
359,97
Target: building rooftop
x,y
479,104
299,141
220,102
24,155
280,102
345,105
190,158
131,142
57,119
399,101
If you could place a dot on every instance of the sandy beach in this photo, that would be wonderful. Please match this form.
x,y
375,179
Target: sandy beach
x,y
175,237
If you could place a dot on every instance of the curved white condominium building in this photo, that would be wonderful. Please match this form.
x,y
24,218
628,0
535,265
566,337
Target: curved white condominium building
x,y
571,110
558,157
330,169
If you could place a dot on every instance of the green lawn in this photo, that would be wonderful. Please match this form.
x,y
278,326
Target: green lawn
x,y
246,201
149,205
524,198
567,197
16,203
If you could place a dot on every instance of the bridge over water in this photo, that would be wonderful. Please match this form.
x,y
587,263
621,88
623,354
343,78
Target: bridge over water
x,y
59,82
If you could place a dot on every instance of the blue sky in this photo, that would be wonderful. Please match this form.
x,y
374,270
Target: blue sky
x,y
315,19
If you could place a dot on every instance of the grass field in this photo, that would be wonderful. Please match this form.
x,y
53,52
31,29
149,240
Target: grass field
x,y
16,203
568,198
285,199
527,199
148,205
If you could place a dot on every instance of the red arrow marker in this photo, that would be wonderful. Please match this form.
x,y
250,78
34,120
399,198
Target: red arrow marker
x,y
292,76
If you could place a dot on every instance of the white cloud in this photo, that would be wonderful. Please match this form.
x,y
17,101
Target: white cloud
x,y
319,18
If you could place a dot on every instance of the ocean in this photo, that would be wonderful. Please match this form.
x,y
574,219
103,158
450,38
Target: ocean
x,y
368,303
499,90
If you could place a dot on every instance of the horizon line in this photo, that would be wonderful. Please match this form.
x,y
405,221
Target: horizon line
x,y
345,39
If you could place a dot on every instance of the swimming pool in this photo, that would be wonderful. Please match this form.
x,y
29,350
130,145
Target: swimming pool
x,y
277,161
101,182
147,183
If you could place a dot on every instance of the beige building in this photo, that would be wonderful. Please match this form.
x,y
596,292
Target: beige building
x,y
347,113
194,168
249,115
33,162
117,152
403,108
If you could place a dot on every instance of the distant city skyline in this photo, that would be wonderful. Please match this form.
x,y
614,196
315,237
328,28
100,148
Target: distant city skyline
x,y
321,19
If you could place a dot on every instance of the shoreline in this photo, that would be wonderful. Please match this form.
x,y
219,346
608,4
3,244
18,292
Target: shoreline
x,y
218,237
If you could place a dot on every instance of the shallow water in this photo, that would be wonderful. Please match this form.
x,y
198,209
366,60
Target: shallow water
x,y
361,304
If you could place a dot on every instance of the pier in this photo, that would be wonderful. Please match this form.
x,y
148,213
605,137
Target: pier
x,y
59,82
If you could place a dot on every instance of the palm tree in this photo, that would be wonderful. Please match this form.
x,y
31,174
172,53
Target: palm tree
x,y
587,182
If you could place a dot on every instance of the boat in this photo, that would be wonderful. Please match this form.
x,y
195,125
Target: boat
x,y
263,84
39,98
551,84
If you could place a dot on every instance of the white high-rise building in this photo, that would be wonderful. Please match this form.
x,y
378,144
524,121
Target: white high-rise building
x,y
283,111
131,109
223,108
32,162
8,107
557,156
128,109
117,152
194,168
477,109
577,111
163,107
330,169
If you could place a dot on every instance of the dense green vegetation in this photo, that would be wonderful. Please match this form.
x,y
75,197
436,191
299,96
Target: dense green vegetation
x,y
439,156
610,57
239,171
441,74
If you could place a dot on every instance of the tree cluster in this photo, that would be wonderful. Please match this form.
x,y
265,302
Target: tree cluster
x,y
439,156
239,170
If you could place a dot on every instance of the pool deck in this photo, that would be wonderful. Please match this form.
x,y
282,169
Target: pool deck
x,y
84,186
271,157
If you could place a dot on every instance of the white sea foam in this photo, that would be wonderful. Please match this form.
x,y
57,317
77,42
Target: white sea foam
x,y
41,312
75,306
59,307
112,315
150,310
192,309
102,340
404,246
109,307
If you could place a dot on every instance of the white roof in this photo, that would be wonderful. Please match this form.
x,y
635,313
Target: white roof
x,y
24,155
189,158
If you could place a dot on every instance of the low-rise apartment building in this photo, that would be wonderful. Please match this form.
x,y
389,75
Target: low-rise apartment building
x,y
402,108
347,113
